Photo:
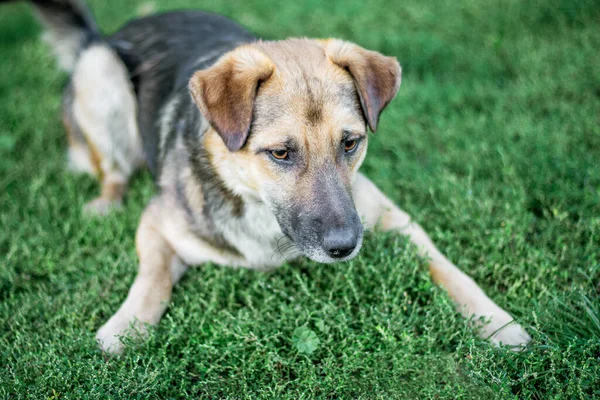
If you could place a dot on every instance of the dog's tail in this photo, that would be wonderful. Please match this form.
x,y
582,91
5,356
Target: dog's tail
x,y
70,28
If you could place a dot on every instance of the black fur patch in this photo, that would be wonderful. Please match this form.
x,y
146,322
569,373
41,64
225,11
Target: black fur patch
x,y
162,52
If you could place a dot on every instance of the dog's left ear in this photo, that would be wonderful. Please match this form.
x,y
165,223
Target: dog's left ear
x,y
225,92
377,77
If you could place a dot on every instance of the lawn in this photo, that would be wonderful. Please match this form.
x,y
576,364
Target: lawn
x,y
493,144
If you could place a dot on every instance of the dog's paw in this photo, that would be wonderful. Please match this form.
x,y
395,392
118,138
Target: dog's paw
x,y
110,334
500,328
109,341
101,206
512,335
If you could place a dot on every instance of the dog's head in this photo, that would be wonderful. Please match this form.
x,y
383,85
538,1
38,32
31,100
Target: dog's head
x,y
290,122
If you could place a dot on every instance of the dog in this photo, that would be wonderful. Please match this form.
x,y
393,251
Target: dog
x,y
253,144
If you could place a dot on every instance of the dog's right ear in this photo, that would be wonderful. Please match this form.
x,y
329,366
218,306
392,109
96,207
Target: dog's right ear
x,y
225,92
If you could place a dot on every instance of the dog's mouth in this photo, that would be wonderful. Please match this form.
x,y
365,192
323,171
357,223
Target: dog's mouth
x,y
325,227
331,256
333,246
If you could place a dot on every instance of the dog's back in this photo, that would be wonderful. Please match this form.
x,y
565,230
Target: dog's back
x,y
121,84
162,52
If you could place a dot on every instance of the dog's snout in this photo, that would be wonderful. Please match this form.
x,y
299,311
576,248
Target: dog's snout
x,y
327,227
340,243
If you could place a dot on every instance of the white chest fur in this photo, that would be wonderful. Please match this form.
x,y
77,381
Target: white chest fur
x,y
255,234
258,237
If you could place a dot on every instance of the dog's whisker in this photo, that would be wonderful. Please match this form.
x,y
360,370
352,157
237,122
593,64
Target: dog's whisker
x,y
283,249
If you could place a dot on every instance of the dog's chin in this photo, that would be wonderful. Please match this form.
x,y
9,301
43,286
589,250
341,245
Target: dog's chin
x,y
324,259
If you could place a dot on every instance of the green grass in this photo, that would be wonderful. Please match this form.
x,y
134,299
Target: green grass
x,y
493,143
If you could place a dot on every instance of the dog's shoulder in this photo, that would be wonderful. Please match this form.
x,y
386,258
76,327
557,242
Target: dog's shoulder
x,y
235,223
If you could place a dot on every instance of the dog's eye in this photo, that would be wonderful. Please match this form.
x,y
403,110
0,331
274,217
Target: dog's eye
x,y
280,154
350,145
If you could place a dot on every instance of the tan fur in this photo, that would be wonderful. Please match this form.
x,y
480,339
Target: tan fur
x,y
148,297
225,92
496,324
79,155
377,77
285,91
313,104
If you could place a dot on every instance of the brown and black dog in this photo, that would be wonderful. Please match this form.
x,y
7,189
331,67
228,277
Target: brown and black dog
x,y
254,145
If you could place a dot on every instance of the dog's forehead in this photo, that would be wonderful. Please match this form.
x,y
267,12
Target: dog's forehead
x,y
287,55
306,87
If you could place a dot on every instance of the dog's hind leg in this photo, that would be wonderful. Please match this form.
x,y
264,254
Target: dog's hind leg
x,y
100,113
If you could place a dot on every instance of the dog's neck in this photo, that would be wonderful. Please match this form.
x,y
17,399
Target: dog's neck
x,y
233,219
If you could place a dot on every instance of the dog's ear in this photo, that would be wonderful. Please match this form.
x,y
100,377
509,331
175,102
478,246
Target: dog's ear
x,y
377,77
225,92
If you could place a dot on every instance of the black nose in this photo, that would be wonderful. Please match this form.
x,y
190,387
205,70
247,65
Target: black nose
x,y
339,243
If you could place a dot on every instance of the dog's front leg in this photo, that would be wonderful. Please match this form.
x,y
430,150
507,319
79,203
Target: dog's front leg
x,y
375,208
147,300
